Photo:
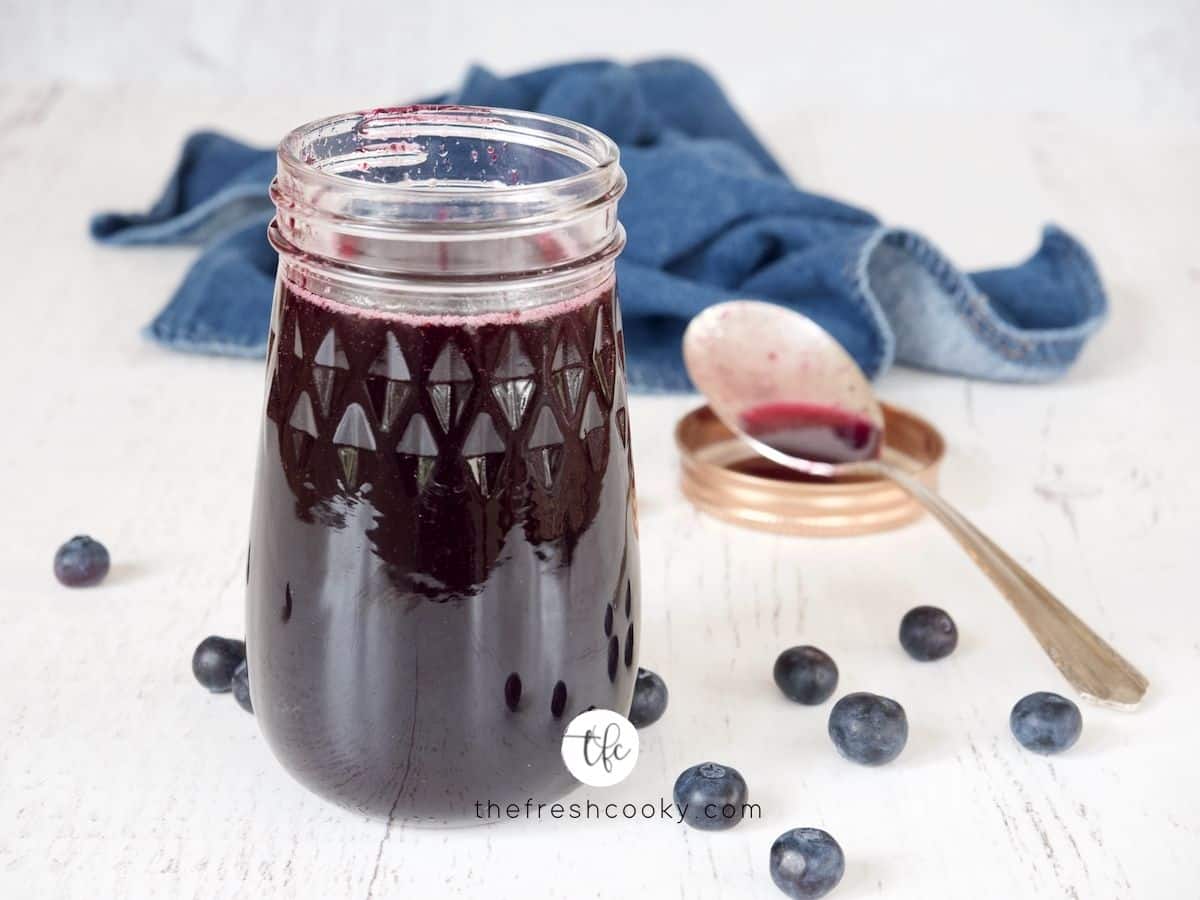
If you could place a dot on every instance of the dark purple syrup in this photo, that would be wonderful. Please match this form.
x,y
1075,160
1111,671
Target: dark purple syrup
x,y
444,564
816,433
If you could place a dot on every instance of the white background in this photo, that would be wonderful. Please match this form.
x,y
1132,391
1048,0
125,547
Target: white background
x,y
1107,58
974,123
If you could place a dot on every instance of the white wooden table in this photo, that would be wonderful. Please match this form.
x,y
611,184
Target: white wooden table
x,y
120,777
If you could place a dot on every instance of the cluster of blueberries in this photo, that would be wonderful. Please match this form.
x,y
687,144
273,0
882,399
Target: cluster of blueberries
x,y
866,728
804,862
219,664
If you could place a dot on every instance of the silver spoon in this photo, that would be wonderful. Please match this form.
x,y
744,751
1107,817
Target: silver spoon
x,y
786,387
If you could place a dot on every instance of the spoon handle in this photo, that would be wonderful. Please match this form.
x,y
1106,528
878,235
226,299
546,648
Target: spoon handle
x,y
1085,659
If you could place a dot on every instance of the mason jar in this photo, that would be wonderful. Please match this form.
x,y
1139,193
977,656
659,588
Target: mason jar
x,y
443,567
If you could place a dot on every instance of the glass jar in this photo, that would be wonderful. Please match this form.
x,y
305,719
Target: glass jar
x,y
443,567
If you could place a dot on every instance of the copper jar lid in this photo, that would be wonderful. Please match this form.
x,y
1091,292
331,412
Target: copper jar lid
x,y
725,478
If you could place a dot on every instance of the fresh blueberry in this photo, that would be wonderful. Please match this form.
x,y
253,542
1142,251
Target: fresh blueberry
x,y
806,675
928,633
868,729
215,661
649,699
81,562
806,863
711,797
1045,723
241,687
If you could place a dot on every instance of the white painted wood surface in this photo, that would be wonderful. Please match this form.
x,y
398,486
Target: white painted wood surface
x,y
120,777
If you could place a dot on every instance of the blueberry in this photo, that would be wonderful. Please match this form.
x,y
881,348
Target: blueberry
x,y
1045,723
711,797
81,562
649,699
215,661
868,729
806,863
806,675
928,633
241,687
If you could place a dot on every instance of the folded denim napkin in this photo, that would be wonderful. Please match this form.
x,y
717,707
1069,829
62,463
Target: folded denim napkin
x,y
710,215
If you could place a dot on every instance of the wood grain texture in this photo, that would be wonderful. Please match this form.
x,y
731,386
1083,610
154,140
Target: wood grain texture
x,y
120,777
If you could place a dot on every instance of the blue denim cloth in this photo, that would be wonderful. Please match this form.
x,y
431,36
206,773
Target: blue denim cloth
x,y
710,216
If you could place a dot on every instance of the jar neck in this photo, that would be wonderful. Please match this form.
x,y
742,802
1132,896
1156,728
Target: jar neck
x,y
448,202
425,296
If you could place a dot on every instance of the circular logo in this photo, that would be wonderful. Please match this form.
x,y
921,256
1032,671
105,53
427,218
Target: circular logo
x,y
600,747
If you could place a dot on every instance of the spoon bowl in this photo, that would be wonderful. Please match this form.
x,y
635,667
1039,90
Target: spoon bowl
x,y
782,383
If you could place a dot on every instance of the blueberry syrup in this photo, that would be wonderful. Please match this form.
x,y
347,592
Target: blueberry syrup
x,y
444,551
813,432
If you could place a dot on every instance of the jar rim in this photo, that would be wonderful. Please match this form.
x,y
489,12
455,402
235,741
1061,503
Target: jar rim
x,y
412,200
383,130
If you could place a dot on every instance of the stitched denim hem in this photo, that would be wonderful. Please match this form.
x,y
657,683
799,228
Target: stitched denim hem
x,y
1002,349
860,287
